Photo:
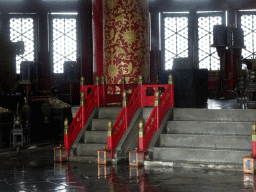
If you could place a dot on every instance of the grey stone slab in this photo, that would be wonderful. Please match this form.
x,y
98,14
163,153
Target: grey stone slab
x,y
109,112
229,115
74,110
101,124
146,112
96,137
87,159
204,141
206,127
199,155
89,149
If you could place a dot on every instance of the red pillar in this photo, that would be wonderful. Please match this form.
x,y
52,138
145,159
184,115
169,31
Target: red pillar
x,y
126,43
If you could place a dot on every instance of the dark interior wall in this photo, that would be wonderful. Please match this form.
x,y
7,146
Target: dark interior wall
x,y
42,8
84,8
201,5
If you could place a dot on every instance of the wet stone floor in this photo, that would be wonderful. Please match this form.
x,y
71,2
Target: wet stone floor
x,y
35,170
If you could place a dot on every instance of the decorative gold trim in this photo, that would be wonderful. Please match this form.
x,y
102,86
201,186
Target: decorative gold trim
x,y
82,81
82,101
254,132
170,80
66,127
140,80
97,80
110,128
102,79
123,80
141,128
124,98
157,99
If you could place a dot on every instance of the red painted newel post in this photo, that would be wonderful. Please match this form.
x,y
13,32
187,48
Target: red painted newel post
x,y
141,136
66,135
157,103
110,137
124,103
254,139
103,89
82,103
98,90
123,83
82,83
140,82
170,82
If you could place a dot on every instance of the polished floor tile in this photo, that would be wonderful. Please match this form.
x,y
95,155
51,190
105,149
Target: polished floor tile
x,y
35,170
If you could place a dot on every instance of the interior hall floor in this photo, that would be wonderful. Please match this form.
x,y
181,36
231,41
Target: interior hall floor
x,y
32,168
35,170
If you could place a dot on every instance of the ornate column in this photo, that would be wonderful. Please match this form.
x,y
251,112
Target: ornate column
x,y
126,40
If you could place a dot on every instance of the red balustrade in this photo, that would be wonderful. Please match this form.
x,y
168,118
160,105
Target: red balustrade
x,y
81,117
95,96
87,89
157,115
142,96
101,95
123,120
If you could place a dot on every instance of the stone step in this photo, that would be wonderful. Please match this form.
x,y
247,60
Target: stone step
x,y
87,149
206,127
199,155
74,110
101,124
228,115
96,137
109,112
206,141
87,159
146,112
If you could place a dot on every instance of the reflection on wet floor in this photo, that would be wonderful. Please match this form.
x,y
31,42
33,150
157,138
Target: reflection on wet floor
x,y
228,104
36,171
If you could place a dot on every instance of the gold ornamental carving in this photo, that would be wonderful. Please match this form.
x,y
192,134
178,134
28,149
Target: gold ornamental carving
x,y
126,40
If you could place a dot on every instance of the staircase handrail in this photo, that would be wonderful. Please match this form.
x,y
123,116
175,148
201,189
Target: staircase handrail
x,y
156,116
124,118
81,117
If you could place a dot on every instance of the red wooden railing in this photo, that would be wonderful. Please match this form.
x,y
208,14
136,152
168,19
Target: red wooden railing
x,y
142,96
95,96
101,95
123,120
157,115
82,115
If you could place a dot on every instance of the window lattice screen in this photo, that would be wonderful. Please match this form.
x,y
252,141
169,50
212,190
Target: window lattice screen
x,y
248,24
22,29
208,56
176,39
64,42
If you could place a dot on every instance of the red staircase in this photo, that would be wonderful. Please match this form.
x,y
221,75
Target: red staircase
x,y
138,96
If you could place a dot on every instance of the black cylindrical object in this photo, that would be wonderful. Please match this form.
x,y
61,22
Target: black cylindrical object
x,y
238,37
219,35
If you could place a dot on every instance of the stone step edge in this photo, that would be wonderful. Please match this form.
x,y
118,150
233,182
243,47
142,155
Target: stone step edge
x,y
195,165
87,158
205,148
202,134
210,121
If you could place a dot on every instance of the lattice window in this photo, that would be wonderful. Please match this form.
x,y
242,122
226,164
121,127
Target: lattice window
x,y
208,57
176,39
64,42
22,29
248,24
